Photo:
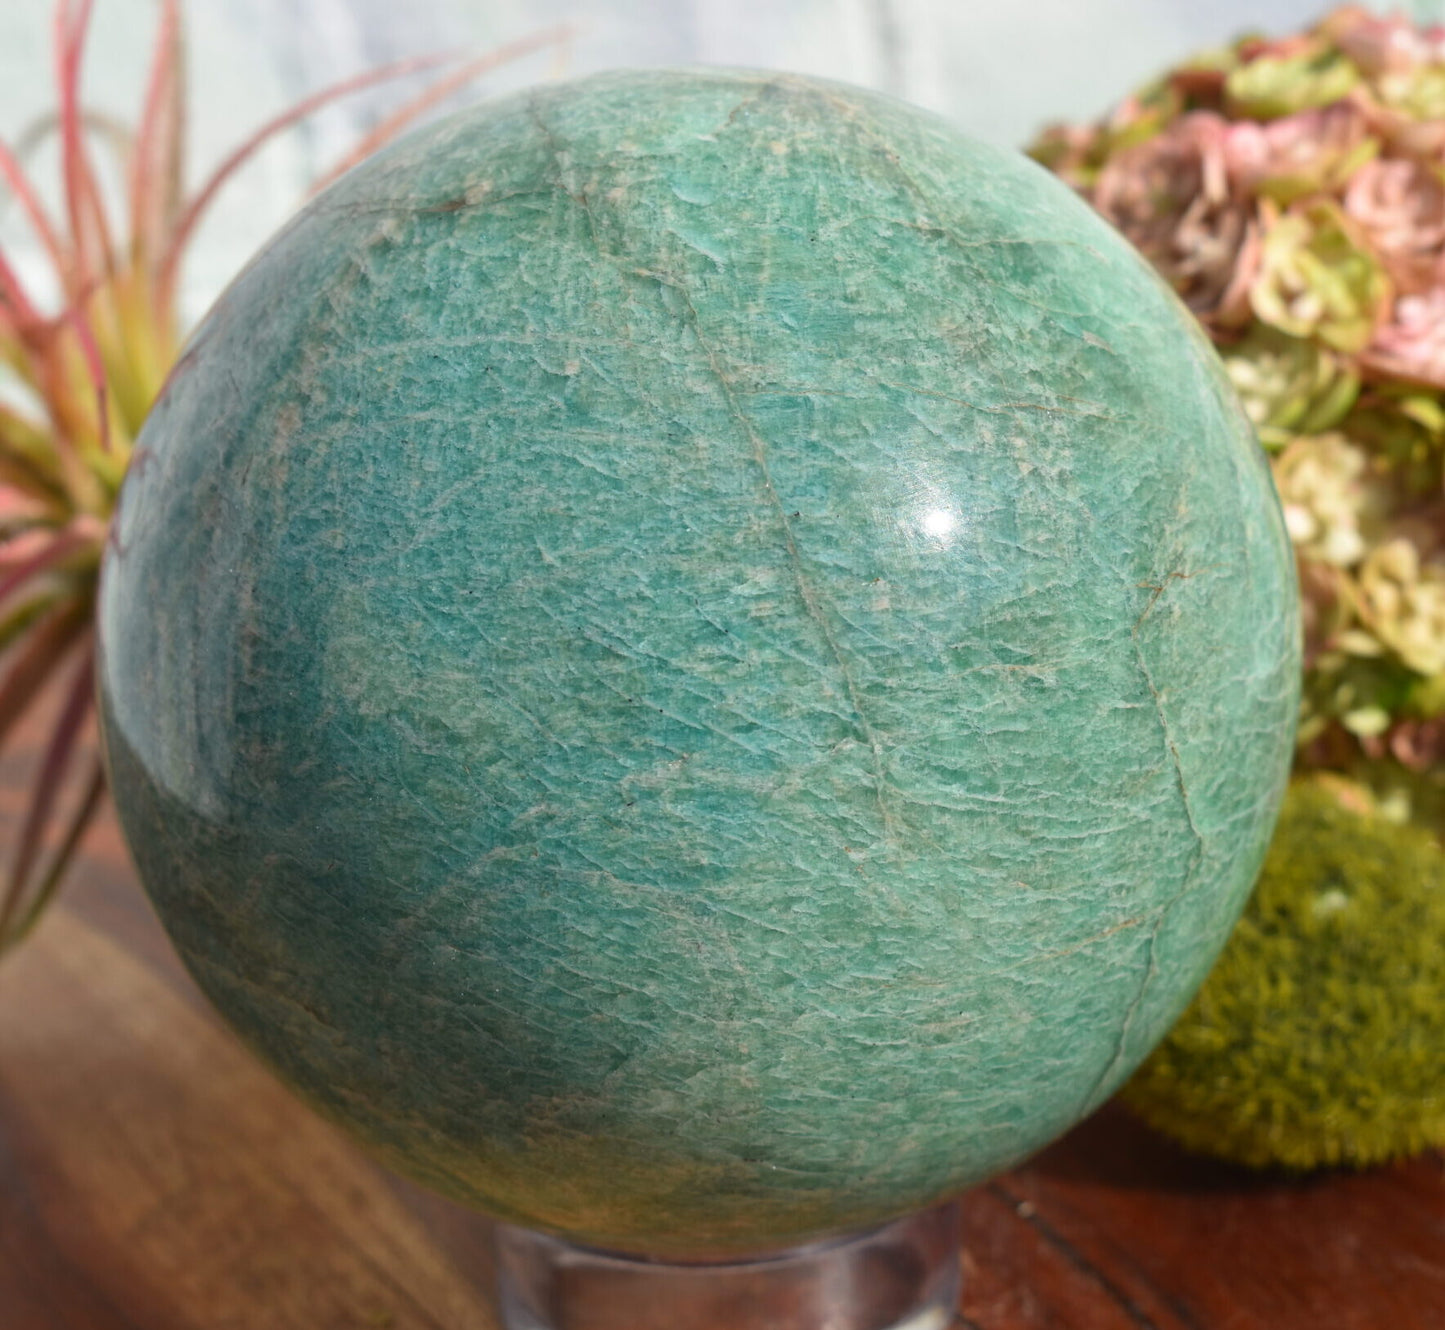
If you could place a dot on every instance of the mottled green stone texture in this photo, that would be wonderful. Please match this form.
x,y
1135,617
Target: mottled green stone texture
x,y
699,658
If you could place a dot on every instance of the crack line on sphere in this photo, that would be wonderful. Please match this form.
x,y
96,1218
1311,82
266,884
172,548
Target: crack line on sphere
x,y
805,589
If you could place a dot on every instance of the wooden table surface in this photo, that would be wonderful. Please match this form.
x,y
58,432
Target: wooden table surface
x,y
154,1177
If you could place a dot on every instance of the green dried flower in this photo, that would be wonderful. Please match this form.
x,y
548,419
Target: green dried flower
x,y
1402,600
1290,386
1308,153
1317,1038
1270,86
1418,92
1318,278
1357,686
1328,498
1070,151
1426,698
1403,429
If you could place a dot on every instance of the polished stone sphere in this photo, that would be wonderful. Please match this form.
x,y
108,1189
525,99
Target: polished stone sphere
x,y
698,658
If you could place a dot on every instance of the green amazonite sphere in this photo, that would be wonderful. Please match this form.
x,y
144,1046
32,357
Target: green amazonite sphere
x,y
698,658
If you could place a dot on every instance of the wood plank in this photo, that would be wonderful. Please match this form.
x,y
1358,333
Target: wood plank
x,y
156,1169
153,1176
1193,1244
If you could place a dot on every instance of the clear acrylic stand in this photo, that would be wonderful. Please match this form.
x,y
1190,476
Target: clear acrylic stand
x,y
902,1276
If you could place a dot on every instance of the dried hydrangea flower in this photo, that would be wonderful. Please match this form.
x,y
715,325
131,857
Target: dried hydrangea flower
x,y
1069,151
1318,277
1323,485
1411,344
1403,601
1171,196
1300,154
1282,80
1399,204
1380,46
1288,385
1293,192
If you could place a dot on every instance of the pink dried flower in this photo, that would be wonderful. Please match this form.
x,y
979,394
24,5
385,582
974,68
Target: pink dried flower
x,y
1171,197
1418,744
1140,115
1382,46
1299,154
1401,206
1403,64
1411,344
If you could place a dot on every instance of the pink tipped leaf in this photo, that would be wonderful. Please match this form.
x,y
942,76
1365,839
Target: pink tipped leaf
x,y
16,307
61,547
22,511
47,784
156,158
89,229
80,821
14,622
30,204
36,662
27,458
437,93
95,368
203,197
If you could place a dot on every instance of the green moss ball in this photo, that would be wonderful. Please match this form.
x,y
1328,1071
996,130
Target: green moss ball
x,y
1319,1038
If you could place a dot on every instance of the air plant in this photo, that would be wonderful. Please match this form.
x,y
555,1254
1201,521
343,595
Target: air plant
x,y
77,381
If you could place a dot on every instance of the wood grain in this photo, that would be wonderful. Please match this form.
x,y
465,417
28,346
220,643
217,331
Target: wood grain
x,y
154,1177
